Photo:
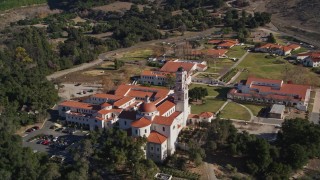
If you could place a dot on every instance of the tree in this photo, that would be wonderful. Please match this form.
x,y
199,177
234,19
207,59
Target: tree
x,y
118,64
271,38
170,80
198,93
296,156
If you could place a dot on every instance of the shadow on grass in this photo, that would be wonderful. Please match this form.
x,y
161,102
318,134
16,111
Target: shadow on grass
x,y
222,92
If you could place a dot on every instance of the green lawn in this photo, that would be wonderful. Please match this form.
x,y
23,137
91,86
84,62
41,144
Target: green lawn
x,y
259,66
9,4
254,108
219,92
235,111
236,52
137,55
211,105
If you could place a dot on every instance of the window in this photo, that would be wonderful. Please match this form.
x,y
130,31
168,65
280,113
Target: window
x,y
151,148
158,149
136,131
163,129
125,123
174,127
145,130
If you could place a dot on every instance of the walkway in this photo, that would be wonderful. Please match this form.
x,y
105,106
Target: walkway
x,y
234,77
224,105
235,64
314,116
250,112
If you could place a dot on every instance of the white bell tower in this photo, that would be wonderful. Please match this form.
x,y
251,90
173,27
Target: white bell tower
x,y
181,96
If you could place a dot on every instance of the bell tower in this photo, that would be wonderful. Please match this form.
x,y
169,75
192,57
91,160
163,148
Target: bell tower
x,y
181,96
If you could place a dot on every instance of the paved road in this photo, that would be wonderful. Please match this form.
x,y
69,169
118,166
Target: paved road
x,y
141,45
223,105
235,64
314,116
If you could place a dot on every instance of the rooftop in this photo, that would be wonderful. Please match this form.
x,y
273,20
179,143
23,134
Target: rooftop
x,y
156,138
172,66
142,122
277,109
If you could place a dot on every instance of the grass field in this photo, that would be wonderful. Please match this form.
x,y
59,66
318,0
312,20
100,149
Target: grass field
x,y
235,111
258,65
211,105
301,50
254,108
137,55
9,4
215,67
236,52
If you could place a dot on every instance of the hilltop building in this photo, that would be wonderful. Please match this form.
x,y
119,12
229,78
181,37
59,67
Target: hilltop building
x,y
155,113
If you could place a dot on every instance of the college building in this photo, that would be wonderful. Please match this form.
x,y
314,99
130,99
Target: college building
x,y
158,114
270,91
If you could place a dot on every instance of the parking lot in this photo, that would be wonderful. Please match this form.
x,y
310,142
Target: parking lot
x,y
74,90
53,141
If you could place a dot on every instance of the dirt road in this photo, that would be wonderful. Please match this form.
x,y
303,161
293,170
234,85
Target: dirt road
x,y
141,45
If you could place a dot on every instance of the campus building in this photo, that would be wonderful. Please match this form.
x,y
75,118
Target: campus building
x,y
169,69
158,114
277,49
270,91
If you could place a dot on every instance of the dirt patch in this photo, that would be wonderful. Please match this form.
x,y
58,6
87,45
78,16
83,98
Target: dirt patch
x,y
117,6
26,12
79,19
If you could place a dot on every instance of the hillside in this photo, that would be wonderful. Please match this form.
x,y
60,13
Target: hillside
x,y
5,4
300,18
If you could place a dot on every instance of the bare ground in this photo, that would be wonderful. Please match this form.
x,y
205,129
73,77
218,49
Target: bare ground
x,y
117,6
10,16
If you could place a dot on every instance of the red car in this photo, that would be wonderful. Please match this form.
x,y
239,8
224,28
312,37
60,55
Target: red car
x,y
45,142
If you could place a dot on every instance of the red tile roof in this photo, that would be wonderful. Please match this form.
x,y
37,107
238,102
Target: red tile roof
x,y
156,138
148,107
315,54
107,96
196,116
202,66
227,44
105,104
167,121
216,52
165,106
206,114
122,101
172,66
140,91
270,81
214,41
294,46
76,104
142,122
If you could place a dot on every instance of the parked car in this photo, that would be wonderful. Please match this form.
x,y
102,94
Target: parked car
x,y
40,141
59,129
55,139
78,84
45,142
